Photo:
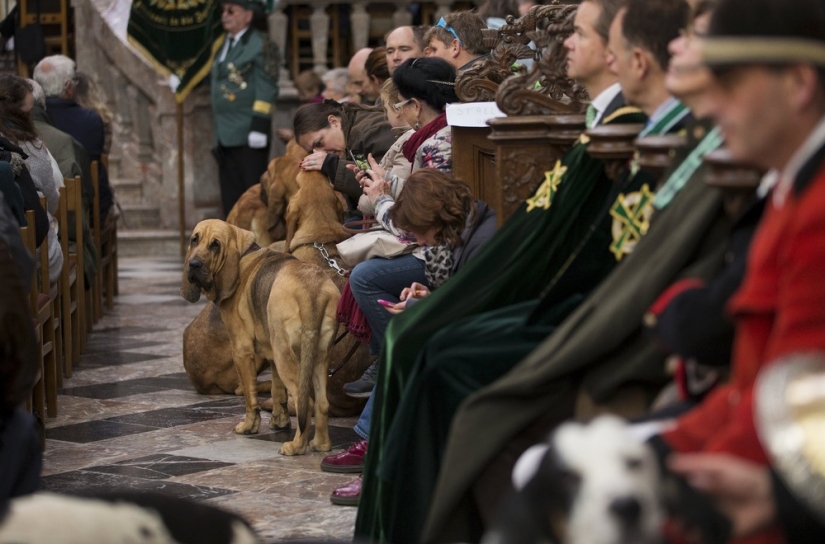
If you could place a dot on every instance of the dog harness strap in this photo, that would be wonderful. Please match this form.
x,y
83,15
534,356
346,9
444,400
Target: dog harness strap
x,y
347,358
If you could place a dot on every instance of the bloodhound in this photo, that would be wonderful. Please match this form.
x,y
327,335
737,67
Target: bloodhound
x,y
274,307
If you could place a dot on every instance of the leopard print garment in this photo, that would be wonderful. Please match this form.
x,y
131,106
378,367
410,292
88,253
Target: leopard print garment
x,y
438,264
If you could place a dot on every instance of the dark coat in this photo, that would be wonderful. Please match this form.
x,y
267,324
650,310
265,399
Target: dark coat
x,y
365,131
31,200
87,127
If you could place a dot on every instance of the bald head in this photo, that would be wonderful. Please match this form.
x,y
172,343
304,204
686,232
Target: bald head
x,y
402,44
357,72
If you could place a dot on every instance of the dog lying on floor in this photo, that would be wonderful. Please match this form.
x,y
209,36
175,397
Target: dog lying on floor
x,y
275,307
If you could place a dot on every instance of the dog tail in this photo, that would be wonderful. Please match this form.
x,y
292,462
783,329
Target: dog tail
x,y
309,338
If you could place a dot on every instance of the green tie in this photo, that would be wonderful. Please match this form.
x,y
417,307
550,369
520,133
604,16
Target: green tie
x,y
590,116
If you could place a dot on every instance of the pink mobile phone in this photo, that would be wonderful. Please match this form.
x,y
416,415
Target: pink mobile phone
x,y
386,303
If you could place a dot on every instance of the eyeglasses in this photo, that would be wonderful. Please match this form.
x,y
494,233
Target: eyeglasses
x,y
397,106
228,8
443,24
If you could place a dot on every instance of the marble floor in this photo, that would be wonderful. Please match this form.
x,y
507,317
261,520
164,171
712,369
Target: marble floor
x,y
128,418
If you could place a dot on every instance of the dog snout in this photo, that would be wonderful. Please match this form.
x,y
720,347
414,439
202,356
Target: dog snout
x,y
195,265
626,509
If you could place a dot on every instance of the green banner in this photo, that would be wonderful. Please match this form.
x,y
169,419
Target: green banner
x,y
179,37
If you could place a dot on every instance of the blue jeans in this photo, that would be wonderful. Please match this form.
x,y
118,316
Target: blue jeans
x,y
362,428
384,279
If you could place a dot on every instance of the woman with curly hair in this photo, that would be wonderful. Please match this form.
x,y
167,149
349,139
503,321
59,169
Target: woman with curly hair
x,y
440,214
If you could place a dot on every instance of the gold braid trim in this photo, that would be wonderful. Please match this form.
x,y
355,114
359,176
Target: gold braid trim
x,y
627,110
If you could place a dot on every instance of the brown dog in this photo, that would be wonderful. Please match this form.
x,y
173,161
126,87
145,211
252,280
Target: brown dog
x,y
275,307
278,185
313,216
250,213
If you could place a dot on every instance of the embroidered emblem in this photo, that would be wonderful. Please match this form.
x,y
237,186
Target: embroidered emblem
x,y
631,219
543,197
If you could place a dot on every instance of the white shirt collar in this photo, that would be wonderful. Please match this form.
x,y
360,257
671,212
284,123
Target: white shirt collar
x,y
785,182
239,34
603,100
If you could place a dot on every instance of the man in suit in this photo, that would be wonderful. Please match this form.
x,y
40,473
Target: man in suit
x,y
56,74
244,87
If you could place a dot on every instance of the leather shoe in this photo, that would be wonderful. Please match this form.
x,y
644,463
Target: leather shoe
x,y
347,495
349,460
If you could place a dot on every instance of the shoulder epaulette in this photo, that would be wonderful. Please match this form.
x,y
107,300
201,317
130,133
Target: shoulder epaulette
x,y
626,110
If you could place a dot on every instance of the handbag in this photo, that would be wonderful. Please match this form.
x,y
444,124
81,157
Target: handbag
x,y
372,243
29,41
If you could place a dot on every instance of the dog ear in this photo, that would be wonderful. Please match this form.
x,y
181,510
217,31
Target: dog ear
x,y
189,291
293,217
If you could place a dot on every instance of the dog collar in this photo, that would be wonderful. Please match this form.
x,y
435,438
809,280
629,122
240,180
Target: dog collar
x,y
252,248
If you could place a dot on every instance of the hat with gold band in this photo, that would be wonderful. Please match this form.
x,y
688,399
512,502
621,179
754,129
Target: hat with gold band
x,y
726,50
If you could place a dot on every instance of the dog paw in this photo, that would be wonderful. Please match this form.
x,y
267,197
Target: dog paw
x,y
280,422
248,427
318,445
290,448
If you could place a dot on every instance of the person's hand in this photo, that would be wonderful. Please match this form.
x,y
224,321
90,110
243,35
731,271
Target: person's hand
x,y
416,290
741,489
373,187
375,171
314,161
397,309
256,140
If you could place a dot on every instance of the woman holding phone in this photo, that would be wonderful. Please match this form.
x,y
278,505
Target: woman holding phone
x,y
329,131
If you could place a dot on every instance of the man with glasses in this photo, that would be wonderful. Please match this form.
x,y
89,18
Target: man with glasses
x,y
244,88
457,38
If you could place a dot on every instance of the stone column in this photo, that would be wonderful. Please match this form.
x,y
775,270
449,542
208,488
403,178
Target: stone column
x,y
401,16
319,24
444,7
360,23
278,26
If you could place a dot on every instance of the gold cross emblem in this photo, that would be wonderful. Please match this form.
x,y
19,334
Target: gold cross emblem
x,y
631,219
543,197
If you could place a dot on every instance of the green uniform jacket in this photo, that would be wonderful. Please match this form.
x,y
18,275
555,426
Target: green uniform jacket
x,y
600,348
244,88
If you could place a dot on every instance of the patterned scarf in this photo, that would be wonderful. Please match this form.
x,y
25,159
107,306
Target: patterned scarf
x,y
438,264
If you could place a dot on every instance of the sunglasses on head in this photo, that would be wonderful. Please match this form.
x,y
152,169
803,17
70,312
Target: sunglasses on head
x,y
443,24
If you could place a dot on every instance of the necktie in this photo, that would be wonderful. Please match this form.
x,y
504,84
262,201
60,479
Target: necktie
x,y
590,116
231,45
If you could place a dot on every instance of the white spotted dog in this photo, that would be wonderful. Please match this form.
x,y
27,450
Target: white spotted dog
x,y
123,517
591,484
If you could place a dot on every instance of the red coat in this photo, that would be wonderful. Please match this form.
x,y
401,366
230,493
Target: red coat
x,y
779,310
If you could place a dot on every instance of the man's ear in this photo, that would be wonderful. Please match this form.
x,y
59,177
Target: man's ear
x,y
455,48
640,62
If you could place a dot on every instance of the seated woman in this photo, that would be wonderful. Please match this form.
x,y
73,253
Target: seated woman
x,y
329,131
16,124
439,212
425,87
395,165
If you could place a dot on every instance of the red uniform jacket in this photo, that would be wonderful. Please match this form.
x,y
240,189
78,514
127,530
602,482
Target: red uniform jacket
x,y
779,310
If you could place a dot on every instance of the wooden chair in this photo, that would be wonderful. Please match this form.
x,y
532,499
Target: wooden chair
x,y
79,330
106,243
94,296
68,283
40,308
55,21
50,317
109,241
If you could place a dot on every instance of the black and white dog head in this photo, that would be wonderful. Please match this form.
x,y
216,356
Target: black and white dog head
x,y
591,484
